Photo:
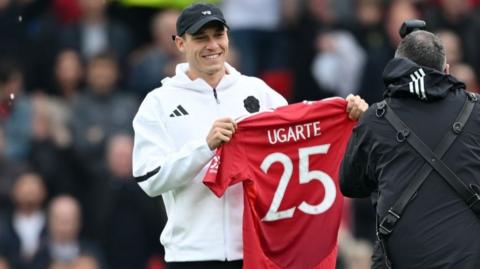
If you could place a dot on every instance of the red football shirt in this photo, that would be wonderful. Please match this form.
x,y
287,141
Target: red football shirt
x,y
288,160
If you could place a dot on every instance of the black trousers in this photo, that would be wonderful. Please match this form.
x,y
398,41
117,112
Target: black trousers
x,y
205,265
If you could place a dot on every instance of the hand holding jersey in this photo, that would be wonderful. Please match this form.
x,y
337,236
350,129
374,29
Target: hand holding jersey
x,y
355,106
221,132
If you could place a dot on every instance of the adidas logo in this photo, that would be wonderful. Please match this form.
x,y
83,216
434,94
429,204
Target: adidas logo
x,y
179,111
417,85
207,12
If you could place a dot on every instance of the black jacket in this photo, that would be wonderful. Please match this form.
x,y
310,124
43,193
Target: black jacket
x,y
437,229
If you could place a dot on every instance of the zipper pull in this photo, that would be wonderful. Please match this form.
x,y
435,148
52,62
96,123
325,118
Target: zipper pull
x,y
215,95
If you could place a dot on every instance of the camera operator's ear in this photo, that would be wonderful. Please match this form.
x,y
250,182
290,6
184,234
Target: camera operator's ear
x,y
409,26
447,69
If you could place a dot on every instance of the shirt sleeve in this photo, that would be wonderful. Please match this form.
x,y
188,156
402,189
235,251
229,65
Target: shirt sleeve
x,y
276,100
228,167
272,98
354,180
157,167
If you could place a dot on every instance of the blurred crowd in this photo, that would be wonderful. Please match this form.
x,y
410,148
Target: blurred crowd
x,y
73,73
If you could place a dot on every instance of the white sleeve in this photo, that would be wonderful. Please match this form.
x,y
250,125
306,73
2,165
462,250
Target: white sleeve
x,y
273,98
157,166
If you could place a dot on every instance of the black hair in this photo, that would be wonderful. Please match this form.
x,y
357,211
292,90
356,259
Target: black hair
x,y
107,55
424,48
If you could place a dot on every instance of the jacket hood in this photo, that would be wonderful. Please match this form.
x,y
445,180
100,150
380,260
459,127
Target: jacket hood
x,y
181,80
404,78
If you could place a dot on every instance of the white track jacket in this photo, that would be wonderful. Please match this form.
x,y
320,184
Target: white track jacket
x,y
171,154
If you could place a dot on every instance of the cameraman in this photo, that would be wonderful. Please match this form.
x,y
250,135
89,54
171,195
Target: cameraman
x,y
437,228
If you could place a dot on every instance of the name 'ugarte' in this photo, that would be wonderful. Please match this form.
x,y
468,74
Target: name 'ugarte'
x,y
294,133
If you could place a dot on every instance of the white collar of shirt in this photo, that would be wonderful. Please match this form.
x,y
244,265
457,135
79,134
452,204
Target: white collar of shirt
x,y
29,228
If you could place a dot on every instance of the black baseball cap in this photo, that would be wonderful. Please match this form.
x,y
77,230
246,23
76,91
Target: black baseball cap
x,y
194,17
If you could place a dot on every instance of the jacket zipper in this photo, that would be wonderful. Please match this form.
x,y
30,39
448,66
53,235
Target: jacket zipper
x,y
215,95
225,207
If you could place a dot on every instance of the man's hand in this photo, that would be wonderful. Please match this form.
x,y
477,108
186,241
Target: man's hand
x,y
355,106
221,132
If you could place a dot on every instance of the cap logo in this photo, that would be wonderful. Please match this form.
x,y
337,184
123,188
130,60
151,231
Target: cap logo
x,y
207,12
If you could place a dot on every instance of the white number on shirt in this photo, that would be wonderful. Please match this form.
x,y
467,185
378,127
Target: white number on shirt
x,y
305,175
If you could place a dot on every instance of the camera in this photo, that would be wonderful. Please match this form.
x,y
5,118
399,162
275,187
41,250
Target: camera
x,y
410,26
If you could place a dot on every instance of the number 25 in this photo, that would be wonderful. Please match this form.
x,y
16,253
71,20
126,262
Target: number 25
x,y
305,176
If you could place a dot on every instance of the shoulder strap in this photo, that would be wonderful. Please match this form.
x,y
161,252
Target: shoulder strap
x,y
433,159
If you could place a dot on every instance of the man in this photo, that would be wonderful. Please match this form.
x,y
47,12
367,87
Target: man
x,y
160,58
437,228
24,231
177,129
64,243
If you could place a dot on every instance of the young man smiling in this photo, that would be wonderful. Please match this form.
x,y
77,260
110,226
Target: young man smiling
x,y
205,51
177,129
